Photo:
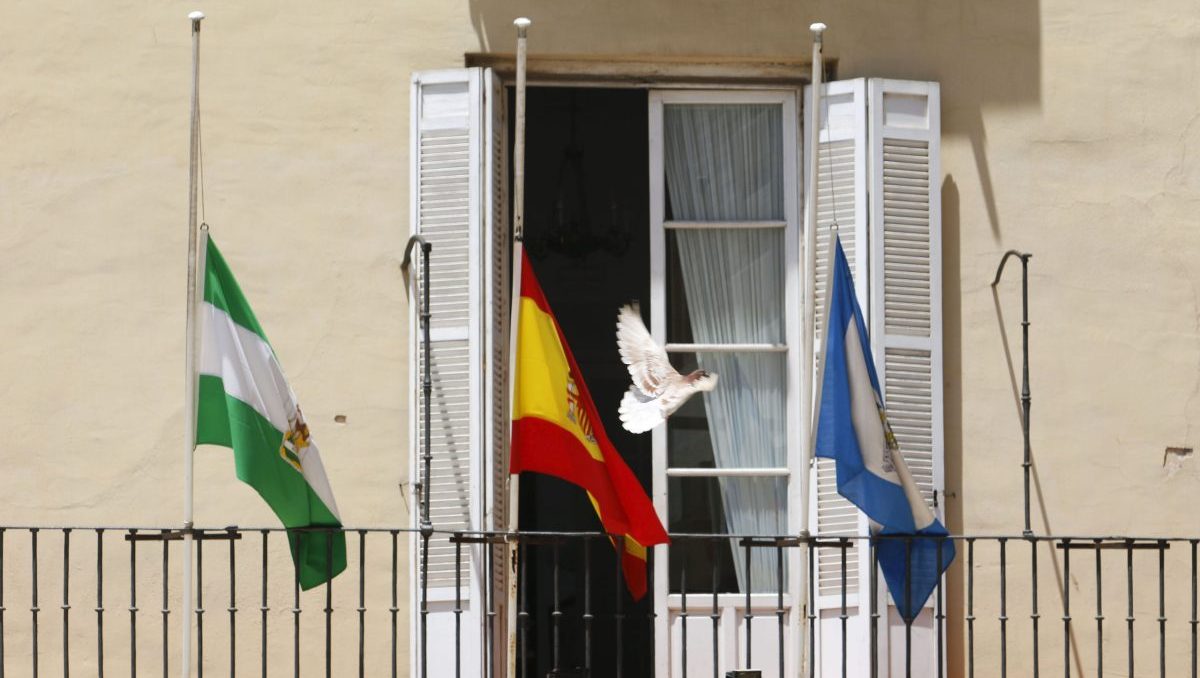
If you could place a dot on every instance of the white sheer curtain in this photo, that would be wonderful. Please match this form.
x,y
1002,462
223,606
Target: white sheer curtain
x,y
725,163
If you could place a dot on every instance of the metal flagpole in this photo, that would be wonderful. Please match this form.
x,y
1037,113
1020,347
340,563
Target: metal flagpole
x,y
190,383
514,481
810,297
1026,462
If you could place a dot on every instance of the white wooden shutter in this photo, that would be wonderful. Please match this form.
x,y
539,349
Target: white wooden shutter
x,y
904,133
498,284
450,143
842,173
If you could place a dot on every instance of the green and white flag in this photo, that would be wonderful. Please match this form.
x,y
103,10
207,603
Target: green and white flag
x,y
246,404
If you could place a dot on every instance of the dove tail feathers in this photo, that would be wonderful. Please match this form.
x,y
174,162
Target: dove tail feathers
x,y
639,414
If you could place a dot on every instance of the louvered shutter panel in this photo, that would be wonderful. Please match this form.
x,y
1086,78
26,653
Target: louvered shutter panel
x,y
498,284
906,325
842,174
448,189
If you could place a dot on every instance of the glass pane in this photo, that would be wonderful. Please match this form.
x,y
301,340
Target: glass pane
x,y
724,162
742,423
743,506
726,286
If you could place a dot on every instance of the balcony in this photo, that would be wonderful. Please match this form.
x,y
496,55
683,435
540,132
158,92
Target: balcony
x,y
97,599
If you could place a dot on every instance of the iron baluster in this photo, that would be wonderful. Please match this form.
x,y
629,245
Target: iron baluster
x,y
522,610
748,616
908,606
556,614
294,542
1129,618
199,607
970,607
232,604
330,535
394,609
133,608
100,602
264,607
1099,615
779,613
1033,615
34,609
1162,612
457,604
939,617
362,602
872,557
1194,621
683,616
587,606
1003,610
715,615
812,614
843,617
66,603
1066,619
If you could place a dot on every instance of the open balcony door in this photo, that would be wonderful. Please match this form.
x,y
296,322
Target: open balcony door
x,y
728,236
458,194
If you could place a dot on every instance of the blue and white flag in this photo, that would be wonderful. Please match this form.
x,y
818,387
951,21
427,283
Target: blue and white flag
x,y
852,429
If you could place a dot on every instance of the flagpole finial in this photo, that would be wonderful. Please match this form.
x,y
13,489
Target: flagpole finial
x,y
522,23
196,16
817,29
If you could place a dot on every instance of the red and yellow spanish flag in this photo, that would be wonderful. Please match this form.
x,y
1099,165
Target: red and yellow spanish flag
x,y
557,431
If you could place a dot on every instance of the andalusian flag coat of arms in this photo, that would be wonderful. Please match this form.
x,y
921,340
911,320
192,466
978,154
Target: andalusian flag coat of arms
x,y
245,403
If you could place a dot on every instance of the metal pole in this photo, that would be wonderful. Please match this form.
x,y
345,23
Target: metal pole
x,y
426,524
1026,462
189,409
810,296
512,552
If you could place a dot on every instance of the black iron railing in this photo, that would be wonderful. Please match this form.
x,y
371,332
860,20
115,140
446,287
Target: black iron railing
x,y
574,617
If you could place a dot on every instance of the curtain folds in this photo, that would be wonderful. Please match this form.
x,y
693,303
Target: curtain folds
x,y
725,163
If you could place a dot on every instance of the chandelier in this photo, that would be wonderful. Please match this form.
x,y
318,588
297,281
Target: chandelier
x,y
570,230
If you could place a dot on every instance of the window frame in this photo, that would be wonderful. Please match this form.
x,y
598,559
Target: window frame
x,y
666,602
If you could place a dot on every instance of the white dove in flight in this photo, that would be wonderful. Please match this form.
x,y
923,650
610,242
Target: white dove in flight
x,y
657,390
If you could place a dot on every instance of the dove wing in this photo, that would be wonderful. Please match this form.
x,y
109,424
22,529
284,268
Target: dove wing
x,y
647,361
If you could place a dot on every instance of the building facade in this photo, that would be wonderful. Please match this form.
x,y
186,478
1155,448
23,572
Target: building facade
x,y
1038,125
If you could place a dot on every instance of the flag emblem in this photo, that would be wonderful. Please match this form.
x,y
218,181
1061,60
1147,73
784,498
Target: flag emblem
x,y
576,413
853,430
295,441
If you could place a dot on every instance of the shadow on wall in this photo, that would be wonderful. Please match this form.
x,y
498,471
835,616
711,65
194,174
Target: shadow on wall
x,y
983,53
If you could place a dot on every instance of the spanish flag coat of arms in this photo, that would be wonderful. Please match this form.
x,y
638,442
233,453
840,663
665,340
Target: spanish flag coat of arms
x,y
557,431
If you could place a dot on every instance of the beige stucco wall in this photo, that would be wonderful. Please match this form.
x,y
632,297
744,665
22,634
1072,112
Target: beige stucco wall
x,y
305,119
1068,130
